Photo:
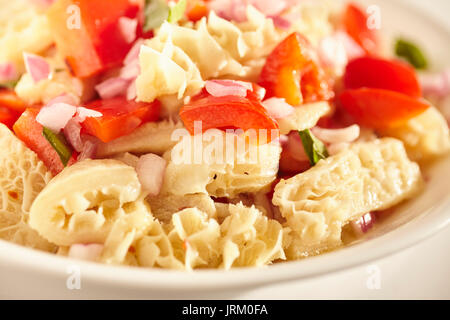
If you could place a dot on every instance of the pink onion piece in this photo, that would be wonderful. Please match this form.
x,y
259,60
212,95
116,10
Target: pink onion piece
x,y
131,91
83,113
222,88
64,98
281,23
43,3
112,87
352,48
131,70
269,7
88,151
363,224
332,53
37,67
295,147
89,252
278,108
436,85
150,170
72,132
348,134
56,116
128,27
8,72
133,54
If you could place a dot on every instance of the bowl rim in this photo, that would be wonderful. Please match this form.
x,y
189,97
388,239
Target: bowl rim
x,y
429,223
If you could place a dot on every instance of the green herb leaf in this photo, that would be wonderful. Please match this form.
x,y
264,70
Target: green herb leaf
x,y
411,53
177,11
9,84
314,148
59,143
156,12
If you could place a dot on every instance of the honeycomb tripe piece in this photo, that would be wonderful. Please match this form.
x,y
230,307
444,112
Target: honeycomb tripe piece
x,y
304,117
366,177
81,204
249,239
22,177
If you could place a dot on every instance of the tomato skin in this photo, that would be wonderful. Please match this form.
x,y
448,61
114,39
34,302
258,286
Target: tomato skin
x,y
10,100
196,9
378,108
98,44
120,117
29,131
8,117
291,73
355,24
227,112
380,73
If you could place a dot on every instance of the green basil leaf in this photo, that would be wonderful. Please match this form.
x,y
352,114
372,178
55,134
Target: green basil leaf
x,y
59,143
177,11
314,148
156,12
411,53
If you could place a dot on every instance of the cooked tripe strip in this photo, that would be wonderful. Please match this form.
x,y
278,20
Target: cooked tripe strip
x,y
426,136
179,58
191,240
319,202
152,137
235,170
304,117
165,205
82,203
22,177
249,239
125,231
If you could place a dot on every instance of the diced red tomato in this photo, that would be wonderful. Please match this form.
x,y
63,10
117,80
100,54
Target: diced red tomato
x,y
196,9
291,73
355,24
290,166
227,112
10,100
379,73
98,43
378,108
11,106
29,131
8,117
120,117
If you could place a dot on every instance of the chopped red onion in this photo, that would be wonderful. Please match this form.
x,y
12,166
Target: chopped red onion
x,y
150,170
88,151
72,132
56,116
131,91
348,134
352,48
363,224
112,87
83,113
278,108
436,85
131,70
222,88
128,27
37,67
64,98
8,72
295,147
281,22
133,54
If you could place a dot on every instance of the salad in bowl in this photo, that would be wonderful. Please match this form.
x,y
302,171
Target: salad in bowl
x,y
214,134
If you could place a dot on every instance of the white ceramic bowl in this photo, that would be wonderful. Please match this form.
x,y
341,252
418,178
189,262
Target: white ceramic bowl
x,y
25,273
